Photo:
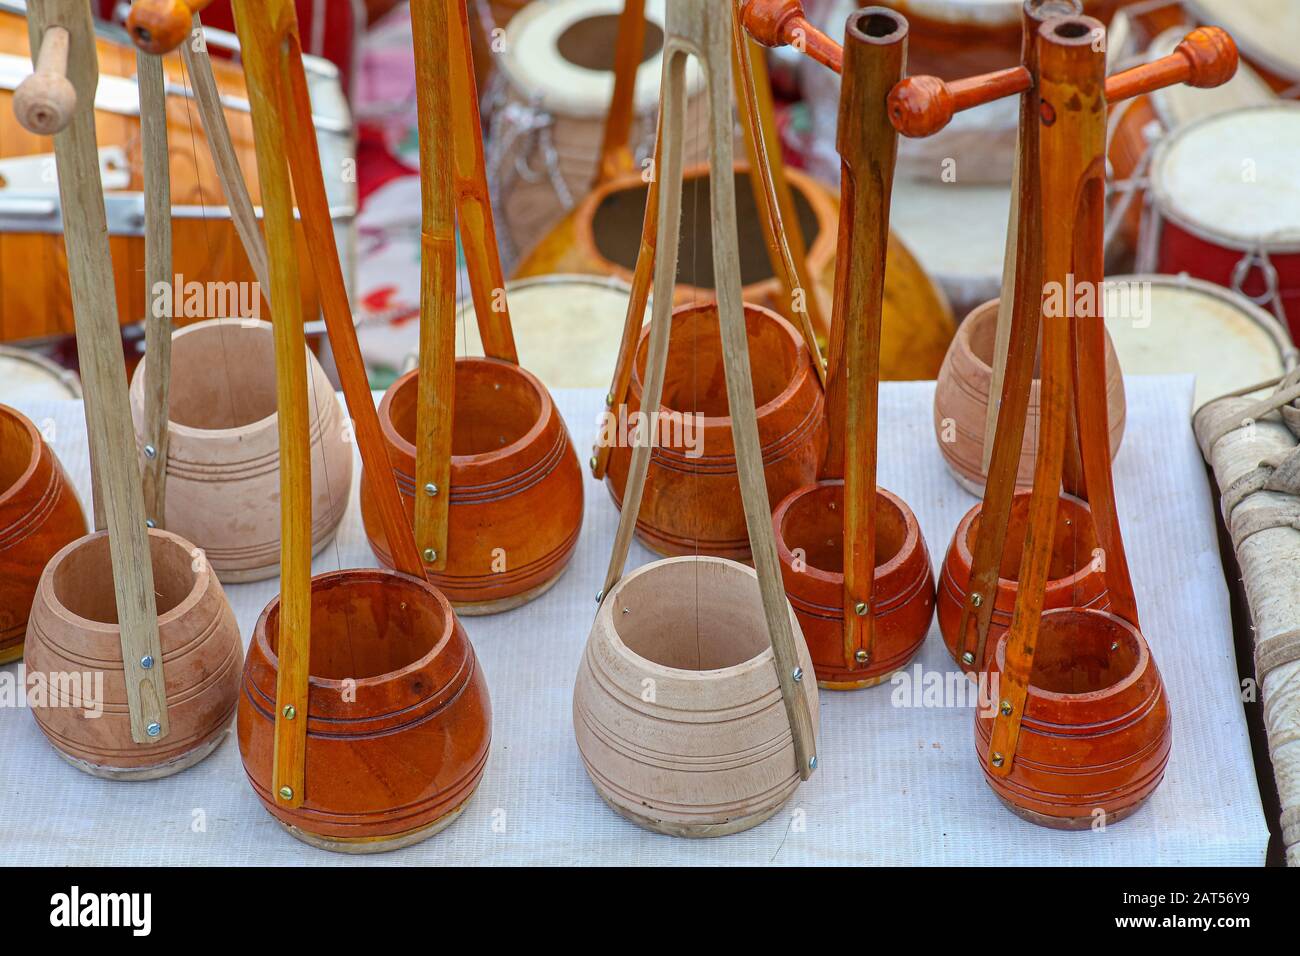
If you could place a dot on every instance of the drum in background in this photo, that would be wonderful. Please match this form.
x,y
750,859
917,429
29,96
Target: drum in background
x,y
567,327
1137,125
485,18
958,38
1164,324
957,232
206,246
1267,33
1225,195
27,376
545,138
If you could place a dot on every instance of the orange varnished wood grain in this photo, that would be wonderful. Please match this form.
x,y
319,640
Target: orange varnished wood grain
x,y
516,500
418,709
39,514
691,502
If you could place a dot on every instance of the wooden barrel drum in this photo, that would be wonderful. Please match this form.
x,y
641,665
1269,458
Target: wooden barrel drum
x,y
516,485
206,247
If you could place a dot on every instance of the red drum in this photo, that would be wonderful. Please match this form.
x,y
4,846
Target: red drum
x,y
1226,204
1139,124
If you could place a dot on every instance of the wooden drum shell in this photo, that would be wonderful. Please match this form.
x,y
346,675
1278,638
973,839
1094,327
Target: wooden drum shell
x,y
903,592
223,483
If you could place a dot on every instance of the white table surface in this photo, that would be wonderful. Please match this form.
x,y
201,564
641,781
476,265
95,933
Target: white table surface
x,y
897,785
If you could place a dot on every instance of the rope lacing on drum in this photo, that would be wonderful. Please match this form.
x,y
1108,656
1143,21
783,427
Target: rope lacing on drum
x,y
1272,294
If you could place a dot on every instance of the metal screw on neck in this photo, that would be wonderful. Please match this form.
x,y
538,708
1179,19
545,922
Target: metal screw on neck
x,y
968,658
150,452
1006,708
286,793
998,760
290,712
976,600
861,655
154,729
860,609
431,489
430,555
797,674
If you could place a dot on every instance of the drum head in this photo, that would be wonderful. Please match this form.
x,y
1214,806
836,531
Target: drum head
x,y
1231,178
560,56
1180,104
1169,325
567,328
1265,30
28,376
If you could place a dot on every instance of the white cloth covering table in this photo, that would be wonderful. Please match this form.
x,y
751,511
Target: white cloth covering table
x,y
896,784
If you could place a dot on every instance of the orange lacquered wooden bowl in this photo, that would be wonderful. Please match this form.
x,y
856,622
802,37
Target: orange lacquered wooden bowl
x,y
691,503
1076,578
601,236
74,631
1096,732
39,514
516,485
809,527
398,717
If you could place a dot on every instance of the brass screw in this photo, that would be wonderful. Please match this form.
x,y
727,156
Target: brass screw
x,y
1006,708
609,399
860,608
286,793
430,555
431,489
861,656
968,658
592,462
976,600
289,712
998,760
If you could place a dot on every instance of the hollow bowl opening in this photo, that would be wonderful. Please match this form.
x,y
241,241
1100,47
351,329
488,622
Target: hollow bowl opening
x,y
695,381
878,26
616,228
1071,30
496,405
1074,542
981,329
590,42
366,624
692,617
83,578
1083,653
18,450
813,524
224,375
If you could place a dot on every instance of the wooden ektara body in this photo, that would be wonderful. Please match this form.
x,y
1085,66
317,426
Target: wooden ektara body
x,y
129,595
308,749
485,464
1069,678
853,559
685,779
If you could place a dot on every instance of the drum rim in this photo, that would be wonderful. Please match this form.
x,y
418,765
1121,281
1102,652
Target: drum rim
x,y
978,13
66,377
1261,317
1170,211
1250,49
565,13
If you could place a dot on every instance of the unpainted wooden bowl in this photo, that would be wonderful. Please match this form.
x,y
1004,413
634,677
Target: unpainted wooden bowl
x,y
223,447
74,635
676,708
